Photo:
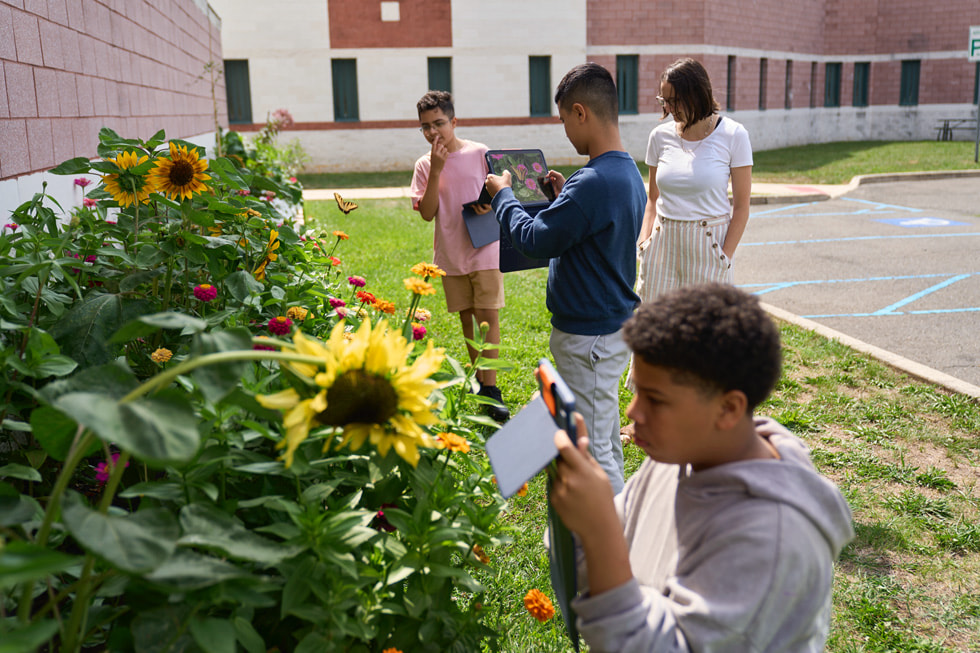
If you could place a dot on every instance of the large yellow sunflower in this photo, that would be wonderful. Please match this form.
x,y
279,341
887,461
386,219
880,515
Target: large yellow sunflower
x,y
182,174
125,187
364,386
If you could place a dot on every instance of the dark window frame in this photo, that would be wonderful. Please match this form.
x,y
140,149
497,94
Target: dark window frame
x,y
832,72
813,84
440,74
763,82
908,90
788,96
628,83
730,89
862,80
343,74
238,92
539,85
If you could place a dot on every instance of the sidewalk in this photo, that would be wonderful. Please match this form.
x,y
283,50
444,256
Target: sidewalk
x,y
762,192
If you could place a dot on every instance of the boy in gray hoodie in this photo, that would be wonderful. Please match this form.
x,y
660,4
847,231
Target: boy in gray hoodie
x,y
725,538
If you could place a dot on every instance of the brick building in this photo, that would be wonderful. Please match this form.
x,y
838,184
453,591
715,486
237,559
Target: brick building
x,y
70,67
793,71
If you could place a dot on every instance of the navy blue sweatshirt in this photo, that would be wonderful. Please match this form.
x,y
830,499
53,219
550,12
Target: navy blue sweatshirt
x,y
589,232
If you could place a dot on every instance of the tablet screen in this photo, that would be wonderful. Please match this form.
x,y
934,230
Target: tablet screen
x,y
526,168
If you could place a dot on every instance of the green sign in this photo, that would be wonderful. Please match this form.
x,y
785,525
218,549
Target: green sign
x,y
973,49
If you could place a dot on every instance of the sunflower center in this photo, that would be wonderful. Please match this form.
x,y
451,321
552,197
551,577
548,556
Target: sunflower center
x,y
181,173
357,397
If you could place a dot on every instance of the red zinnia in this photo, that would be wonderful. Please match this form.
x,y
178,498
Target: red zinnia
x,y
337,303
205,292
357,281
280,325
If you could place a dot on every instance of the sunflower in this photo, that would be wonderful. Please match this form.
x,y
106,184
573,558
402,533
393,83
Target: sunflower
x,y
270,255
364,386
126,187
182,174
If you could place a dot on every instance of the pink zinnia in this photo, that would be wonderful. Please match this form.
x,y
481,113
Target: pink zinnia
x,y
205,292
341,311
280,325
337,303
418,331
292,179
244,191
89,202
82,181
104,469
12,226
357,281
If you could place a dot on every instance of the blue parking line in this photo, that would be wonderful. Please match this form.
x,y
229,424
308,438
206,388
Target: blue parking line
x,y
880,205
840,240
919,295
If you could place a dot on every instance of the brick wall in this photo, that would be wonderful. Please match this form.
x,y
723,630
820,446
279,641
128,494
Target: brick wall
x,y
70,67
422,23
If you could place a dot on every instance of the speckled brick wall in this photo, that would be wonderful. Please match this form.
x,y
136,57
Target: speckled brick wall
x,y
70,67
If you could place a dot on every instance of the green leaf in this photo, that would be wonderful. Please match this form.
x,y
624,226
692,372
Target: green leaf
x,y
16,508
29,638
114,379
21,562
76,166
149,324
159,430
162,630
228,173
205,525
137,542
55,432
23,472
241,285
247,636
188,570
214,635
156,140
217,380
160,490
85,329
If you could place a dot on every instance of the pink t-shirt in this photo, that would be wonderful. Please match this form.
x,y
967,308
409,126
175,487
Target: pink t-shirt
x,y
461,181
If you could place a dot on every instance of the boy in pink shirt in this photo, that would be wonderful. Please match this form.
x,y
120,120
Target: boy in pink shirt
x,y
449,175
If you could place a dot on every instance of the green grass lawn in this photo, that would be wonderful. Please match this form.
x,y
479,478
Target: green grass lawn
x,y
824,163
903,452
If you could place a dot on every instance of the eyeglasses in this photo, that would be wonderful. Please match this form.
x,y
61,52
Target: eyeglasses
x,y
667,101
438,124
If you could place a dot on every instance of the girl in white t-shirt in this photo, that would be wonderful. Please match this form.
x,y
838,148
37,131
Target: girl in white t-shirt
x,y
690,230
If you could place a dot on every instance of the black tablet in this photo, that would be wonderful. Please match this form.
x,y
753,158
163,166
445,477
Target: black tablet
x,y
527,172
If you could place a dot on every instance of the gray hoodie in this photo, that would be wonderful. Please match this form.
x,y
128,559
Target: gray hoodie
x,y
734,558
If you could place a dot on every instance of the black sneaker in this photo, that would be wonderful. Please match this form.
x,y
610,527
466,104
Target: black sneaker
x,y
497,413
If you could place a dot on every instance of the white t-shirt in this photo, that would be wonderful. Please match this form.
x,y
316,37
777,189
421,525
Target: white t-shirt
x,y
692,176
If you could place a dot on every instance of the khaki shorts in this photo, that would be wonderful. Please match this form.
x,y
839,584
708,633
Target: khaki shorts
x,y
480,289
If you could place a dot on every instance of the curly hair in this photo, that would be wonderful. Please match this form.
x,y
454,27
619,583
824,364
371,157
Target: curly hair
x,y
711,336
437,100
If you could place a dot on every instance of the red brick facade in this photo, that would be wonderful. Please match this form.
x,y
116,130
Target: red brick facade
x,y
422,23
814,29
70,67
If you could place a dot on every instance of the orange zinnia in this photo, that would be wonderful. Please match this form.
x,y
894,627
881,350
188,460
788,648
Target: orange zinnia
x,y
539,605
424,269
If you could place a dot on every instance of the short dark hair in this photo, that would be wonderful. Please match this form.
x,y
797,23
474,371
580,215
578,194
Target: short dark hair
x,y
592,86
437,100
712,336
692,89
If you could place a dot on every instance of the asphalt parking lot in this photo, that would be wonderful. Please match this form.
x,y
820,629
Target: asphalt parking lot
x,y
891,264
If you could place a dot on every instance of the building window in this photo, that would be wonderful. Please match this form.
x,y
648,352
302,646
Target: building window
x,y
862,72
831,85
627,82
763,74
788,96
237,91
813,84
730,91
908,93
390,11
539,69
440,74
344,90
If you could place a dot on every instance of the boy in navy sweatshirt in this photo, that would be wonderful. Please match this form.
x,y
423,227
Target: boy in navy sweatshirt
x,y
589,232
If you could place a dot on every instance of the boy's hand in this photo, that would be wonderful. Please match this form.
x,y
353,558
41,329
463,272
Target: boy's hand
x,y
495,183
581,492
482,209
437,160
556,179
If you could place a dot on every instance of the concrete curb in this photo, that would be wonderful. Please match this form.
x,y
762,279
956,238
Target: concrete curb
x,y
911,368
